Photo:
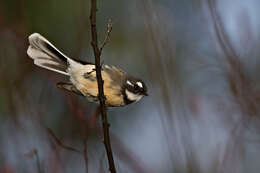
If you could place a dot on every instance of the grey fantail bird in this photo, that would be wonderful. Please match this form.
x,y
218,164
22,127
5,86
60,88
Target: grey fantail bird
x,y
120,88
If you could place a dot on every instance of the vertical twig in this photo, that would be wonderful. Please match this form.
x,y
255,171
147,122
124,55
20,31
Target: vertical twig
x,y
97,53
38,161
109,29
34,153
91,124
240,87
85,154
87,130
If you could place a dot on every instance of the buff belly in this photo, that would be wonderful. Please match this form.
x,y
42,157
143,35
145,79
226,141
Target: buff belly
x,y
84,79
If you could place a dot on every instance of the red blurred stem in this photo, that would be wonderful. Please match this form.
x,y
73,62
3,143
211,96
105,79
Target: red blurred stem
x,y
57,140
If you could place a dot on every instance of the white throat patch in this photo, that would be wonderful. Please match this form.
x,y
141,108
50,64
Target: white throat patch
x,y
132,96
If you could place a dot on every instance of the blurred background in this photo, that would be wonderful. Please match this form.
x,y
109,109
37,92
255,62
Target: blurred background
x,y
199,58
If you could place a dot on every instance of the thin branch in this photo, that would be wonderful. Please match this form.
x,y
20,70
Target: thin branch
x,y
109,29
239,81
57,140
92,120
33,153
38,161
240,88
100,82
222,36
87,130
85,154
91,124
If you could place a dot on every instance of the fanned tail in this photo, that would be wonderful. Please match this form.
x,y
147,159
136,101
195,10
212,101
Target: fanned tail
x,y
46,55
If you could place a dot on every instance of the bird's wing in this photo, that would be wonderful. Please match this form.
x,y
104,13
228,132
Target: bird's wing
x,y
69,87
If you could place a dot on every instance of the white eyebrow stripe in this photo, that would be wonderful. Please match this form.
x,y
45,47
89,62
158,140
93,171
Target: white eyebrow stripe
x,y
129,83
139,84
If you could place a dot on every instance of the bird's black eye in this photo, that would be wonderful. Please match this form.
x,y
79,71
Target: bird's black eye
x,y
136,87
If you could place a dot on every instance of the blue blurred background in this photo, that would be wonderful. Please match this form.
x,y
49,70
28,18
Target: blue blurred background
x,y
199,58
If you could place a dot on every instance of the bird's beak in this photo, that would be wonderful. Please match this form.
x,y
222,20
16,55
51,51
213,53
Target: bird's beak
x,y
145,94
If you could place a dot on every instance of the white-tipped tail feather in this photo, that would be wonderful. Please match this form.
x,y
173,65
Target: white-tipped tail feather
x,y
46,55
